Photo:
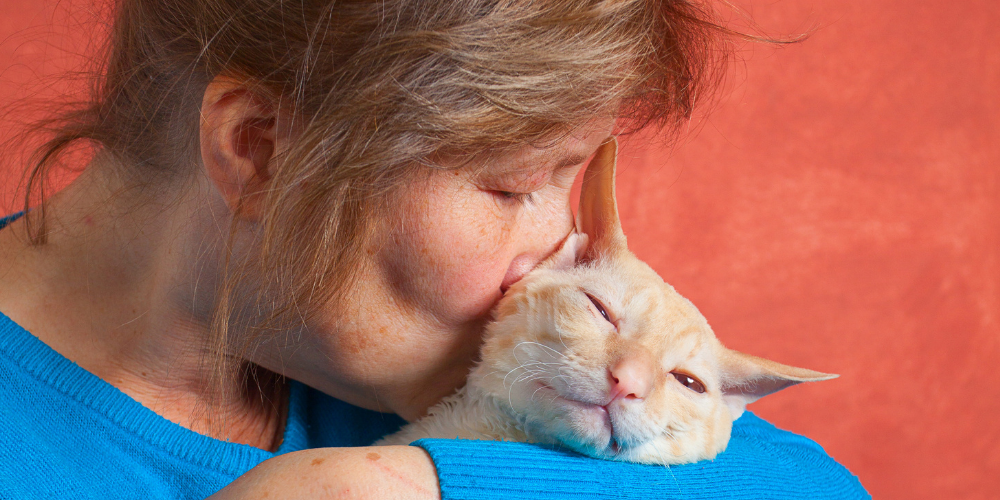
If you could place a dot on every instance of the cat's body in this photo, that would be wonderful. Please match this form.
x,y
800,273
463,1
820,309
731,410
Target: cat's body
x,y
594,352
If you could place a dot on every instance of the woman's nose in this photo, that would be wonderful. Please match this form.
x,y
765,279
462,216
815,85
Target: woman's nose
x,y
517,269
548,230
539,236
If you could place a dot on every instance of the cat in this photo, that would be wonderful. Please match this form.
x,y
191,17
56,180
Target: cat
x,y
594,352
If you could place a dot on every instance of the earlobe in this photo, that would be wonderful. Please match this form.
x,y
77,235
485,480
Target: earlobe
x,y
238,134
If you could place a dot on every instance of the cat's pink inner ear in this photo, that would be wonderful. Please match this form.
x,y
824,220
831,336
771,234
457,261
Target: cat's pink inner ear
x,y
569,253
598,213
747,378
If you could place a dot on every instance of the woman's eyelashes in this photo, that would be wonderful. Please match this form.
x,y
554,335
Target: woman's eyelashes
x,y
518,187
513,197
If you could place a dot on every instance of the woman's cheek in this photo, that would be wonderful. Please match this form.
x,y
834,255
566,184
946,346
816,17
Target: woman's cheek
x,y
451,261
467,271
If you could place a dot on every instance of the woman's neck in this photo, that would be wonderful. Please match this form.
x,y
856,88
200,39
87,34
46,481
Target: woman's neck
x,y
124,286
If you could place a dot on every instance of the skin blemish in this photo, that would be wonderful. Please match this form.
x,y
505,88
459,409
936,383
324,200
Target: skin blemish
x,y
395,474
317,461
360,342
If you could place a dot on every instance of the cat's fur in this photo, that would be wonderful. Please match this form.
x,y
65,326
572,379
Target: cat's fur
x,y
555,371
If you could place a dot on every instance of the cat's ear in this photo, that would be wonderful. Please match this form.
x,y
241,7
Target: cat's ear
x,y
569,253
598,214
747,378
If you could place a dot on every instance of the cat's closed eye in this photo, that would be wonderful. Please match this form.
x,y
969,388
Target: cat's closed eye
x,y
689,382
600,308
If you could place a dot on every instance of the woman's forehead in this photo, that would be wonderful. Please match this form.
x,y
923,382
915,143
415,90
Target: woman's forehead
x,y
569,149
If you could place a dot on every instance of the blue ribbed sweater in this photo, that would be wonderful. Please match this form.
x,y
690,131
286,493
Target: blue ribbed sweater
x,y
65,433
68,434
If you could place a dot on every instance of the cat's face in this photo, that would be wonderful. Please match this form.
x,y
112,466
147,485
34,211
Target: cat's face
x,y
595,352
610,361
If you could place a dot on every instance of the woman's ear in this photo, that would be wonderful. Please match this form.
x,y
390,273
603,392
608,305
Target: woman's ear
x,y
239,138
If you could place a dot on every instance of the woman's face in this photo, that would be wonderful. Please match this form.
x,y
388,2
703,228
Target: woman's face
x,y
407,333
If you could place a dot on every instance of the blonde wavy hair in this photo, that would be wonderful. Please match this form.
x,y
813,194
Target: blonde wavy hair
x,y
376,88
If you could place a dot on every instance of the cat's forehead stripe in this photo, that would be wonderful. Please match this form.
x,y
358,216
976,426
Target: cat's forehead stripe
x,y
647,302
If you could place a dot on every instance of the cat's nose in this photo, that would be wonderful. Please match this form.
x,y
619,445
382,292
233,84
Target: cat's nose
x,y
630,378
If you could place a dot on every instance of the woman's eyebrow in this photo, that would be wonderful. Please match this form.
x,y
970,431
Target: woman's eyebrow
x,y
573,159
533,165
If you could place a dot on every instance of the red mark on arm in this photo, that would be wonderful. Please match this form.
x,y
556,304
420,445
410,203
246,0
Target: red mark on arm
x,y
395,474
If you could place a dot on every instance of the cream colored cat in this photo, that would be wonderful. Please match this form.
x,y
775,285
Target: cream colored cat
x,y
594,352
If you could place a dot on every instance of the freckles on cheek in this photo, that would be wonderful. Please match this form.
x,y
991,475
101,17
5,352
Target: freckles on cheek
x,y
464,278
446,261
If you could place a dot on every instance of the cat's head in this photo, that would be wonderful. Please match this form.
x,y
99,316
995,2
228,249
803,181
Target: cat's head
x,y
593,351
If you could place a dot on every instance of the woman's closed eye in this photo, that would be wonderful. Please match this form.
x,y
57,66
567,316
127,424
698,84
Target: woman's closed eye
x,y
513,196
516,187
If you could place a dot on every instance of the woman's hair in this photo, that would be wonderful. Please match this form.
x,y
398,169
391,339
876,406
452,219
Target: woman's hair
x,y
375,89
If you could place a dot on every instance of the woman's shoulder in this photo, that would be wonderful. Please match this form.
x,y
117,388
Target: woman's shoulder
x,y
66,431
761,461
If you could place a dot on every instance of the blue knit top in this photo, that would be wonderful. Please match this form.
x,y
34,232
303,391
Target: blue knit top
x,y
65,433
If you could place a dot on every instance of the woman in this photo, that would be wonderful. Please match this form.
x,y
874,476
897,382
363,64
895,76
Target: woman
x,y
293,200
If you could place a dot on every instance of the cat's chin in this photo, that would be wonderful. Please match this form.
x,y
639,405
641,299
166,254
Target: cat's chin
x,y
583,427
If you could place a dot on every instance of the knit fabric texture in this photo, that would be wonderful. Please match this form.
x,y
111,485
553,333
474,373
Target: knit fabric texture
x,y
761,462
65,433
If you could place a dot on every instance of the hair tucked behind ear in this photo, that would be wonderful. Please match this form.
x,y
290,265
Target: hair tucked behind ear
x,y
375,89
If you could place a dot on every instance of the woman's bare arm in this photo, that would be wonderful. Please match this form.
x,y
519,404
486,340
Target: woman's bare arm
x,y
385,472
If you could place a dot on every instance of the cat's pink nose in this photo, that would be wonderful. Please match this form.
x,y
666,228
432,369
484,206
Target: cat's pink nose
x,y
630,378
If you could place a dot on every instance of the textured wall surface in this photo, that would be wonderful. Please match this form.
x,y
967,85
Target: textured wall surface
x,y
838,209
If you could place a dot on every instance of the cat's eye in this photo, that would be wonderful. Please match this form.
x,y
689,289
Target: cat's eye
x,y
689,382
600,308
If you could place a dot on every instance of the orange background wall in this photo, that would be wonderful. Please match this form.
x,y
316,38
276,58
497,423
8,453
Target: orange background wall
x,y
839,209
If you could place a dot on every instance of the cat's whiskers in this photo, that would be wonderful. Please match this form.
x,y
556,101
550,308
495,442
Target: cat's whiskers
x,y
533,369
663,460
568,383
548,350
529,373
525,376
559,333
520,365
536,392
